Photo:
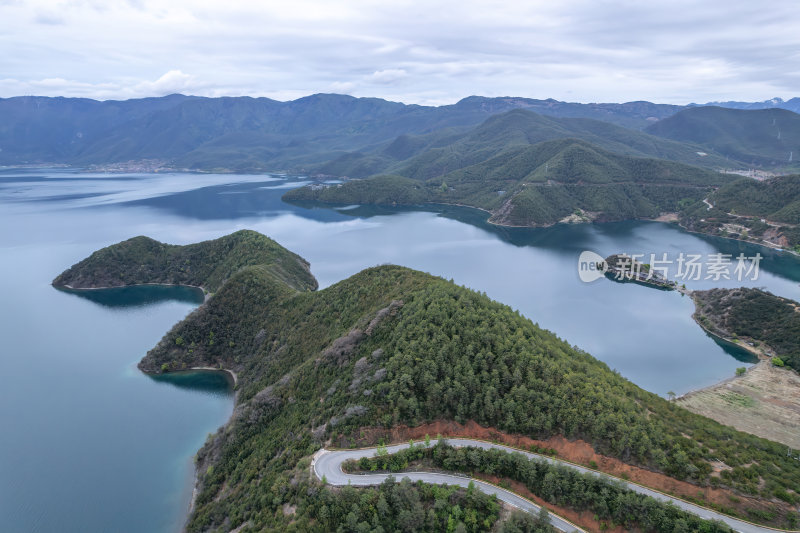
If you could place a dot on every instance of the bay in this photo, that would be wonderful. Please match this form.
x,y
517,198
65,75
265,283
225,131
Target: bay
x,y
91,444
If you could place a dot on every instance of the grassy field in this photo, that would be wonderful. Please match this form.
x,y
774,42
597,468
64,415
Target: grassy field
x,y
765,402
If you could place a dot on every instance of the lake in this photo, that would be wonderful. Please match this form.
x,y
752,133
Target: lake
x,y
91,444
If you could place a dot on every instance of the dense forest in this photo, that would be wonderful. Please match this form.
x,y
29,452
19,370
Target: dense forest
x,y
391,346
611,502
405,506
751,210
206,264
765,137
435,154
539,184
753,314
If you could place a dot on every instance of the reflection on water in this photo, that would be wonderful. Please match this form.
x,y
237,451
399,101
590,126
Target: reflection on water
x,y
234,200
139,295
736,351
209,382
90,445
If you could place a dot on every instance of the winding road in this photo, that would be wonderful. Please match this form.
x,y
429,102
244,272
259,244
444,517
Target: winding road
x,y
328,464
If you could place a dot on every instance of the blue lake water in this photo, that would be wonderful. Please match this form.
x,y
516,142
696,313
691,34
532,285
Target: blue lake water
x,y
88,443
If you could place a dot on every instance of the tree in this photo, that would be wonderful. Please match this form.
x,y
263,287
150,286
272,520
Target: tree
x,y
544,515
740,371
671,395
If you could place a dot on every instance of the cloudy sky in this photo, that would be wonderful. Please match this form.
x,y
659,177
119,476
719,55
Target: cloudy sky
x,y
428,52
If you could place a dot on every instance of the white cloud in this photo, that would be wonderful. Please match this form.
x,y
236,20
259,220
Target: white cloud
x,y
436,52
388,76
342,87
172,82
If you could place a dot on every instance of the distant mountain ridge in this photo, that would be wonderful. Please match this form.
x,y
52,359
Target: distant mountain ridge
x,y
793,104
565,179
764,137
436,154
256,134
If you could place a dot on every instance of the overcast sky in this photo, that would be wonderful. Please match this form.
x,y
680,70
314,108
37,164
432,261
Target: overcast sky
x,y
426,52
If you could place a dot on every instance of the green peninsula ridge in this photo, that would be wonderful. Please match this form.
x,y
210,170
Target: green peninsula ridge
x,y
389,348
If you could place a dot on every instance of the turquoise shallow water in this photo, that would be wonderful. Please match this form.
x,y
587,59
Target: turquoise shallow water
x,y
90,444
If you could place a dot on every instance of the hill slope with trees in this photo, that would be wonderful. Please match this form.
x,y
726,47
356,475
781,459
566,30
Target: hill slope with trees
x,y
443,151
753,314
540,184
208,264
390,347
762,211
766,137
253,134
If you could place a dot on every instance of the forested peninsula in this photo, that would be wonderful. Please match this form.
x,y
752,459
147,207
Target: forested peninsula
x,y
391,349
208,264
755,317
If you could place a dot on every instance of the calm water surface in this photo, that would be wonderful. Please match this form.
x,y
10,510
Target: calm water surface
x,y
90,444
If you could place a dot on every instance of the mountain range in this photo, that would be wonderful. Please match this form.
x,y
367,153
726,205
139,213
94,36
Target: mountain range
x,y
261,134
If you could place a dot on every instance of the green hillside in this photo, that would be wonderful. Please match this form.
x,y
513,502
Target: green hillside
x,y
776,199
740,206
763,137
539,184
438,153
37,129
206,264
243,133
391,346
753,314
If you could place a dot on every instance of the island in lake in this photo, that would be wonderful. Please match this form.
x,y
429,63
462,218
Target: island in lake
x,y
624,268
391,354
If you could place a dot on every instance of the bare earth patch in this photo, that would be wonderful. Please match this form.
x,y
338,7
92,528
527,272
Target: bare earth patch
x,y
765,402
667,217
576,451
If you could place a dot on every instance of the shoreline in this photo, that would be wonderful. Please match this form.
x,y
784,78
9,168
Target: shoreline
x,y
231,373
664,218
757,352
764,244
234,378
206,294
721,383
195,466
764,401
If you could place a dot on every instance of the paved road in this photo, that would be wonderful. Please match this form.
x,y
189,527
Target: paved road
x,y
328,463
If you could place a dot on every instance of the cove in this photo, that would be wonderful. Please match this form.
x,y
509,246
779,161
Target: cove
x,y
91,444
